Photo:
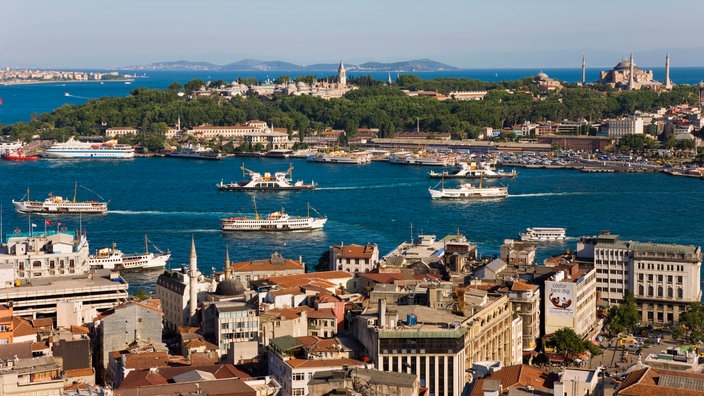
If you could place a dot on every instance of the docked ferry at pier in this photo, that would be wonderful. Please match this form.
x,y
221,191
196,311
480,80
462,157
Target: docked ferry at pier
x,y
280,181
543,234
74,149
275,221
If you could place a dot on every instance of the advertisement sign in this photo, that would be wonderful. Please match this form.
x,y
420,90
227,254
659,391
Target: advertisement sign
x,y
560,298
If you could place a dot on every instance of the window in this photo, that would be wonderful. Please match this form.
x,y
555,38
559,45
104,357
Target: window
x,y
298,391
299,376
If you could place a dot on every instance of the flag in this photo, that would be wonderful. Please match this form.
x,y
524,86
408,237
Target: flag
x,y
48,222
34,225
58,224
0,100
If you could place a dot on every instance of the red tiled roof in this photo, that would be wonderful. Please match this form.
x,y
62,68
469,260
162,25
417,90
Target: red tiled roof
x,y
286,313
354,251
302,279
146,360
385,277
332,363
522,286
517,376
266,265
82,372
324,313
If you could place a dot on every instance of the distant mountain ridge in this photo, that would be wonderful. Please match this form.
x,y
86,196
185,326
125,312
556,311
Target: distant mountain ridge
x,y
416,65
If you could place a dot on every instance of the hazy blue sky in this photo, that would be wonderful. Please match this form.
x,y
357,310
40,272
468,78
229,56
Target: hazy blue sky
x,y
467,34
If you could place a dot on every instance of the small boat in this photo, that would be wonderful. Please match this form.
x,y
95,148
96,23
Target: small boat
x,y
474,170
195,152
56,204
467,191
19,155
67,94
543,234
280,181
112,258
275,221
341,157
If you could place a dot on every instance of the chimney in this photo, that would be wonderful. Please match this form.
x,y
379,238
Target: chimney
x,y
382,314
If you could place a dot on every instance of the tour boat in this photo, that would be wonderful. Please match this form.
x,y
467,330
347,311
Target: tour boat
x,y
74,149
473,170
467,191
196,152
111,258
275,221
421,159
280,181
19,155
543,234
341,157
57,204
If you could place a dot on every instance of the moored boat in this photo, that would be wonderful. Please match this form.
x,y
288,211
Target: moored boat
x,y
19,155
420,159
195,152
280,181
56,204
474,170
112,258
275,221
543,234
341,157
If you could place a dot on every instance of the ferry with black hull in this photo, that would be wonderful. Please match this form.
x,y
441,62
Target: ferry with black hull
x,y
275,221
280,181
74,149
56,204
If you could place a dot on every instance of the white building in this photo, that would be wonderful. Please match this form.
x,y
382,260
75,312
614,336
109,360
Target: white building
x,y
618,128
570,300
664,278
354,258
116,132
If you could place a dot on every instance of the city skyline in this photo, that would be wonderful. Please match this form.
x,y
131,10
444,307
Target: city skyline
x,y
507,34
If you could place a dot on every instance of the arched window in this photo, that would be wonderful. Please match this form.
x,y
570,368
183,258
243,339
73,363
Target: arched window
x,y
650,290
670,292
641,290
680,292
659,291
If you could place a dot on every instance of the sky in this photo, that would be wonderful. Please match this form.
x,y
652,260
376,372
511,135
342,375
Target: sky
x,y
461,33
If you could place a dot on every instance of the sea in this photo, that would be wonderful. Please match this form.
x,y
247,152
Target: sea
x,y
174,200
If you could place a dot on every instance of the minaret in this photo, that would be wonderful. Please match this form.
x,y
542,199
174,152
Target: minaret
x,y
389,79
228,269
193,274
668,83
631,80
342,74
584,70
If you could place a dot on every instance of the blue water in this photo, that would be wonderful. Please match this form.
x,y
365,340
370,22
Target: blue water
x,y
174,199
21,101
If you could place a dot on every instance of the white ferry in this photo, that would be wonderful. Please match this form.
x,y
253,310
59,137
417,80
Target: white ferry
x,y
341,157
74,149
473,170
543,234
56,204
280,181
422,159
275,221
111,258
468,191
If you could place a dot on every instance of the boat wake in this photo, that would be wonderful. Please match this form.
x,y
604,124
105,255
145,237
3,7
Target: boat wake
x,y
68,95
367,187
546,194
162,213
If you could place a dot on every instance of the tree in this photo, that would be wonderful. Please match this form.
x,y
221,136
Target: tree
x,y
623,316
141,295
567,342
692,321
194,85
323,262
175,86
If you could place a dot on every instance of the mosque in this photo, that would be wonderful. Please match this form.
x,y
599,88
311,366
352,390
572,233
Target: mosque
x,y
627,76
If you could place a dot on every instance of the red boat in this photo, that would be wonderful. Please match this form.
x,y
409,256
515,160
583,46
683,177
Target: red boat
x,y
19,155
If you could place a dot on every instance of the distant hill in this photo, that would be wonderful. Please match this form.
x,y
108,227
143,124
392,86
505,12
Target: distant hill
x,y
418,65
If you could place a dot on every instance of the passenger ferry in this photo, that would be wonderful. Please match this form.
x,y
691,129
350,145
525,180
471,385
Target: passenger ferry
x,y
474,170
55,204
468,191
111,258
341,157
275,221
543,234
74,149
280,181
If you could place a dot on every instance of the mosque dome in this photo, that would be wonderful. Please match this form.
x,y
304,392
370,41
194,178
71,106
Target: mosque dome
x,y
230,287
624,65
300,85
541,76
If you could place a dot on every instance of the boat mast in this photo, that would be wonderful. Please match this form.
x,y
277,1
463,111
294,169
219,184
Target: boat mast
x,y
75,187
146,244
256,214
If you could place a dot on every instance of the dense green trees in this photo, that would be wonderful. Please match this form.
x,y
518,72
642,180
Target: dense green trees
x,y
623,317
568,343
691,324
372,105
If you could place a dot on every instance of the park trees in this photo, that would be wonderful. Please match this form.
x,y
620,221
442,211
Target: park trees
x,y
623,317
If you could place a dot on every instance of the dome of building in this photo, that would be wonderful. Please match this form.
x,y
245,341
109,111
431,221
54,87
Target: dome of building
x,y
230,287
541,76
624,65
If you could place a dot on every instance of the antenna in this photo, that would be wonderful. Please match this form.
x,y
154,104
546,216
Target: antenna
x,y
411,232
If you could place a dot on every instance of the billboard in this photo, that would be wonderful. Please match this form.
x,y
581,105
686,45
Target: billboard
x,y
560,299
